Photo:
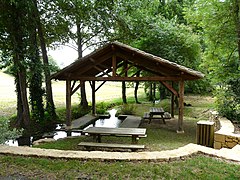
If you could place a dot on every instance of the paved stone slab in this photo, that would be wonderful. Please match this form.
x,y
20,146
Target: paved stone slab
x,y
83,122
168,155
131,122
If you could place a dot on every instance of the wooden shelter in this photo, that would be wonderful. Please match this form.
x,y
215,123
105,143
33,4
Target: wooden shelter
x,y
113,62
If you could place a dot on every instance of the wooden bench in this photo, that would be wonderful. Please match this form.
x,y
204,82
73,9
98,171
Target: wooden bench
x,y
133,147
166,115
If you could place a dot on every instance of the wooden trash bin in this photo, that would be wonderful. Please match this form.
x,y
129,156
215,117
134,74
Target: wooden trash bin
x,y
205,133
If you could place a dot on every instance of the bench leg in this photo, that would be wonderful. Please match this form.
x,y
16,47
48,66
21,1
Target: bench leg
x,y
134,139
150,119
97,138
163,119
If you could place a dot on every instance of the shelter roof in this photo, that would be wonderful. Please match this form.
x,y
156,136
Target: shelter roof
x,y
118,62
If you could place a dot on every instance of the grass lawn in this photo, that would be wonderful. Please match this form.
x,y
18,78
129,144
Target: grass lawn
x,y
198,167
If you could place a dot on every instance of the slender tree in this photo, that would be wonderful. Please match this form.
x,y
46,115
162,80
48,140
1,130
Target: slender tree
x,y
50,107
13,34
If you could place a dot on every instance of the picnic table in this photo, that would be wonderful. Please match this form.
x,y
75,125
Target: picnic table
x,y
98,132
153,111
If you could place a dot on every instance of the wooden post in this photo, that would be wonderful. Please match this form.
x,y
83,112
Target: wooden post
x,y
114,65
68,103
172,103
93,98
181,107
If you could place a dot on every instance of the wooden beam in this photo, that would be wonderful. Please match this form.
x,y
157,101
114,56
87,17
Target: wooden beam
x,y
125,70
110,70
72,86
102,71
169,87
94,63
147,65
104,66
75,89
181,107
100,86
154,78
172,103
68,103
137,73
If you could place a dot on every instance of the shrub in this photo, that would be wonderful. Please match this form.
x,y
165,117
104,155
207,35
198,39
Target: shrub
x,y
228,100
7,133
79,111
127,109
101,108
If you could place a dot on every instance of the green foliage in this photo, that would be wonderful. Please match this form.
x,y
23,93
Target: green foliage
x,y
79,111
128,109
35,88
53,66
220,39
7,133
218,22
228,100
102,107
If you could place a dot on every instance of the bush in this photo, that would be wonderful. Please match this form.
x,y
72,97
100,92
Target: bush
x,y
7,133
79,111
228,100
127,109
101,108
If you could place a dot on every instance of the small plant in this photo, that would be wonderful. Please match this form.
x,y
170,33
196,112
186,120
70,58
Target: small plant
x,y
7,133
127,109
79,111
101,108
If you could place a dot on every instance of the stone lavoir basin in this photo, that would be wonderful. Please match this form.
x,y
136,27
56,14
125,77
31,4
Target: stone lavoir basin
x,y
112,122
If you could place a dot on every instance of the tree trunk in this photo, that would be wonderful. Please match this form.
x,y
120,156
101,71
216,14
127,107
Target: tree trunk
x,y
136,92
49,97
136,89
151,92
124,98
162,91
84,102
23,92
19,122
18,61
154,92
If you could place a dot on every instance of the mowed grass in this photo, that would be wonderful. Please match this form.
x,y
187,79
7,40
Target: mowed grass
x,y
199,167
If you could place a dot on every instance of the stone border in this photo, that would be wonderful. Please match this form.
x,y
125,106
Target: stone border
x,y
158,156
225,137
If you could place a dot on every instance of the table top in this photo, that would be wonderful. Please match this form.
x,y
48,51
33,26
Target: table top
x,y
155,110
116,131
